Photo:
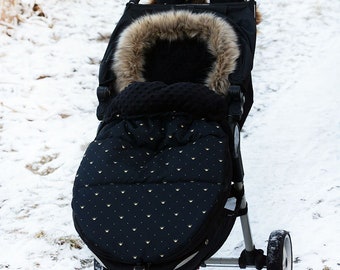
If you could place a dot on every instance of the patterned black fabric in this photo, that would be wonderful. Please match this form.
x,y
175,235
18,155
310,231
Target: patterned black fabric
x,y
148,185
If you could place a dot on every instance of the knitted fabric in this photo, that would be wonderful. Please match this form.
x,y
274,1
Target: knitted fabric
x,y
142,98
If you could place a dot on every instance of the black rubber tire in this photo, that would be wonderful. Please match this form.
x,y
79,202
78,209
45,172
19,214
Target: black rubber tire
x,y
279,251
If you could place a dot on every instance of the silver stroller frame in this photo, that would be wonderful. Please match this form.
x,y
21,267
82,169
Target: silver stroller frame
x,y
279,251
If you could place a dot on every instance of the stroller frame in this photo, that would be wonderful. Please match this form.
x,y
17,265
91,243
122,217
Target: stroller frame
x,y
281,251
250,256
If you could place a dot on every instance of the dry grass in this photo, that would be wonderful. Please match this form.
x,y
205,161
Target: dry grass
x,y
10,13
13,12
70,241
40,167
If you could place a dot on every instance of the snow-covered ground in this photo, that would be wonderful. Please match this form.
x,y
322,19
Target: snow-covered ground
x,y
291,144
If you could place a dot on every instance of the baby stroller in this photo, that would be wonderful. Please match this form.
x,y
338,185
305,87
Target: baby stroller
x,y
161,185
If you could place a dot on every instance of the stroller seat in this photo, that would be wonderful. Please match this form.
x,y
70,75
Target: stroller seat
x,y
162,152
155,189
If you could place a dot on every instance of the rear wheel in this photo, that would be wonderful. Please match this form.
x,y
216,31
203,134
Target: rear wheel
x,y
279,251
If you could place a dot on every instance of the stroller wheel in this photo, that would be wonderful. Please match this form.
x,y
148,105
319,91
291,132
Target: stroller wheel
x,y
279,251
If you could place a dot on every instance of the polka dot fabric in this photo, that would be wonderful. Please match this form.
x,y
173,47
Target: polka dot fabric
x,y
147,185
154,97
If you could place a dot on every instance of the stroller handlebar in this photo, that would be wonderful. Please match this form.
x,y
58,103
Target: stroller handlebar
x,y
170,2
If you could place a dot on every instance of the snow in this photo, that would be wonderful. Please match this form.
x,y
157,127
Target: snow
x,y
290,146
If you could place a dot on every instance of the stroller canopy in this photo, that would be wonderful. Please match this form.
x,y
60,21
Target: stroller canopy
x,y
211,44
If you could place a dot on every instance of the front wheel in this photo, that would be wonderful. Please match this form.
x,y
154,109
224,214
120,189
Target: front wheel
x,y
279,251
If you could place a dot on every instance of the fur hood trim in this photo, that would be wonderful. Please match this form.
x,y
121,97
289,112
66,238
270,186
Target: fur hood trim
x,y
142,34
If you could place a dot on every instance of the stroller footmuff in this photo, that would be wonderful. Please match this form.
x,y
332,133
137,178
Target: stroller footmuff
x,y
156,189
153,185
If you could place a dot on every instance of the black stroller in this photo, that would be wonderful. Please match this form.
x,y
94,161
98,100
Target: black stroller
x,y
161,185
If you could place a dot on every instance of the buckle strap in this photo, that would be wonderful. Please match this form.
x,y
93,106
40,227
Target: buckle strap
x,y
237,101
103,93
104,96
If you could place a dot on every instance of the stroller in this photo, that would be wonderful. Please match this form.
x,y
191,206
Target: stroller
x,y
161,185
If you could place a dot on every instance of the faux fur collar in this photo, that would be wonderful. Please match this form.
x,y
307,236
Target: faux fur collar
x,y
142,34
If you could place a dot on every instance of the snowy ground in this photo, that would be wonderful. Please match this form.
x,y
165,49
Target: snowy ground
x,y
291,145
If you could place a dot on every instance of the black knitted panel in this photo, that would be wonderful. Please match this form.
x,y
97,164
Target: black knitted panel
x,y
156,97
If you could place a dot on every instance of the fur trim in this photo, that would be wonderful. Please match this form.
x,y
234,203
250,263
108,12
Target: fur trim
x,y
142,34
